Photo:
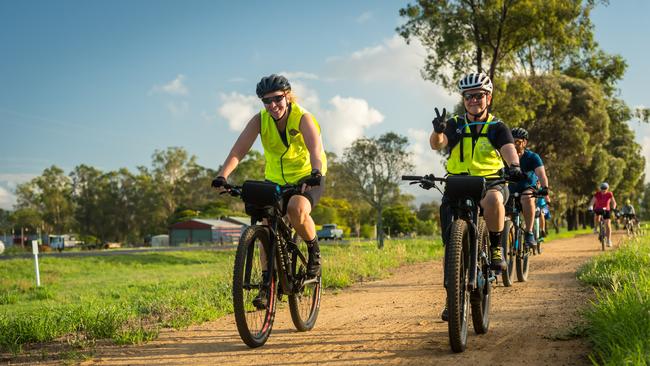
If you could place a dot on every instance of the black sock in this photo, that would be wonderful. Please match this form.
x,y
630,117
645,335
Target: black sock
x,y
312,243
495,239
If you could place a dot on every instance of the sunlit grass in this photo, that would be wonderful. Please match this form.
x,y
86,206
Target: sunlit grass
x,y
129,298
619,320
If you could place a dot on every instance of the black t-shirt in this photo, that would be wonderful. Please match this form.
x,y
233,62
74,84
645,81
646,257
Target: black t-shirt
x,y
498,134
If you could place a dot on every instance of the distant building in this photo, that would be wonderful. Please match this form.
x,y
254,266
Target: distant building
x,y
219,231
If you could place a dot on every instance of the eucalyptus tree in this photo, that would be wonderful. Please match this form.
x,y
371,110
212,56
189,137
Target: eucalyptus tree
x,y
494,36
374,167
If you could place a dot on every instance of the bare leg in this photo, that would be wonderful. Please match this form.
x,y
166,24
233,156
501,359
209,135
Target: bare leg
x,y
528,206
298,210
493,210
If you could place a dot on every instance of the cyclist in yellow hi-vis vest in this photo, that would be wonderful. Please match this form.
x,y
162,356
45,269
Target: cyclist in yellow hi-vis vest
x,y
478,144
294,154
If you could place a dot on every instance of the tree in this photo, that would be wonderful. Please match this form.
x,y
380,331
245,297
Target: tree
x,y
644,205
374,167
50,194
398,220
496,35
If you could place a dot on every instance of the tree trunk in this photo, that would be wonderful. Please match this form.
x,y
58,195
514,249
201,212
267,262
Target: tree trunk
x,y
572,219
380,229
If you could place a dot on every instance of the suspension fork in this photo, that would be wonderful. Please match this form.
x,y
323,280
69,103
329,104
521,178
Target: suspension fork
x,y
473,249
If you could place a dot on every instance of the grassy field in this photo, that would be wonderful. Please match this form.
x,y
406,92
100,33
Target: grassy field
x,y
618,322
128,298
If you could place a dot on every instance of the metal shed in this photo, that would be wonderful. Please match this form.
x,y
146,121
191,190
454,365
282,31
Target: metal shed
x,y
204,231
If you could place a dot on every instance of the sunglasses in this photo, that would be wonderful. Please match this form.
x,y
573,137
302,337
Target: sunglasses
x,y
477,96
276,98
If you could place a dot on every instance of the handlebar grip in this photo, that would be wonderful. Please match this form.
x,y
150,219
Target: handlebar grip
x,y
411,177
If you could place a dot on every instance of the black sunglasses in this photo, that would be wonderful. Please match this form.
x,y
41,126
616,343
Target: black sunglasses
x,y
276,98
477,96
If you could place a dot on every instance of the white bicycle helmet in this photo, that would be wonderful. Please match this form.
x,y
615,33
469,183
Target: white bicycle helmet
x,y
604,185
475,81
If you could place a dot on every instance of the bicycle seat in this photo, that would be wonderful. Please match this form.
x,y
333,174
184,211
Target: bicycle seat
x,y
460,187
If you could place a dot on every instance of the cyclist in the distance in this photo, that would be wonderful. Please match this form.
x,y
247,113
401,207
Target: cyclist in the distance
x,y
477,151
602,204
533,167
627,211
294,154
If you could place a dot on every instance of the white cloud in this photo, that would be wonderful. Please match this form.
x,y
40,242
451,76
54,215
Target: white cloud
x,y
174,87
342,120
366,16
346,121
392,62
298,75
8,183
238,109
426,160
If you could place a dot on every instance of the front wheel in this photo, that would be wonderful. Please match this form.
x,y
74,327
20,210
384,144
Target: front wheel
x,y
304,302
254,296
480,297
457,277
522,257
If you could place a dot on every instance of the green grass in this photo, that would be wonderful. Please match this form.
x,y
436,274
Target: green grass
x,y
618,322
565,234
129,298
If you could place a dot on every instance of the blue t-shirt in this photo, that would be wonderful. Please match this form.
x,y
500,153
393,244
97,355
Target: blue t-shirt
x,y
529,161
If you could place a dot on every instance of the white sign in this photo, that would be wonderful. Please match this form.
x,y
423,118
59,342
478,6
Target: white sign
x,y
35,247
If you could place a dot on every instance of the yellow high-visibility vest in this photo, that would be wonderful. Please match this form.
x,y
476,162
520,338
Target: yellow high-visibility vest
x,y
287,164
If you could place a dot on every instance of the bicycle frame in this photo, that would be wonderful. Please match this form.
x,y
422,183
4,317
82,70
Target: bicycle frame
x,y
281,238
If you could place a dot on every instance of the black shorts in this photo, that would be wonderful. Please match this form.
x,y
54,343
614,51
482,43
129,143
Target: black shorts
x,y
314,193
606,214
501,187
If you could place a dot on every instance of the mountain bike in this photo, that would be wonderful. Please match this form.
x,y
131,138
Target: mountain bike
x,y
602,233
270,262
631,225
512,241
467,276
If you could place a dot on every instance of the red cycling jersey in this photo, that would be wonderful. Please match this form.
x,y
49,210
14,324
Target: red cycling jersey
x,y
602,200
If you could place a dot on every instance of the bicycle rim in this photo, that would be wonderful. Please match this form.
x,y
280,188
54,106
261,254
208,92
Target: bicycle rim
x,y
254,321
304,303
457,280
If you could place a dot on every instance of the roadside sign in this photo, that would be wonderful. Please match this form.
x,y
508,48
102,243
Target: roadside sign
x,y
38,272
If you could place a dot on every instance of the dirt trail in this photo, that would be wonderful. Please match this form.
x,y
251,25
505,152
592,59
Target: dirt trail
x,y
396,321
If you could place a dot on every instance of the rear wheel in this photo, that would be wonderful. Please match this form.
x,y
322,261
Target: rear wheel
x,y
480,297
522,257
304,303
254,322
457,276
510,253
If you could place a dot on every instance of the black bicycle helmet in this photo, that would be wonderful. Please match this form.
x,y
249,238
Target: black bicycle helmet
x,y
519,133
272,83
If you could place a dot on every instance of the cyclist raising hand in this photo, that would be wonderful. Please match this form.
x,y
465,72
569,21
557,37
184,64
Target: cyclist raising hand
x,y
478,143
294,154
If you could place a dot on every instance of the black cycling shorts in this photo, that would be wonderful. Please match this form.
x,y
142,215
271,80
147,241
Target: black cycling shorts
x,y
606,214
314,193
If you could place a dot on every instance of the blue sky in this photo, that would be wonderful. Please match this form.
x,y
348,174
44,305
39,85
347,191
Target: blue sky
x,y
107,83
